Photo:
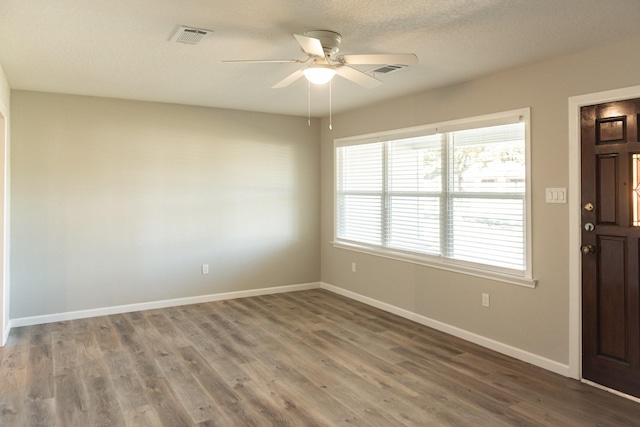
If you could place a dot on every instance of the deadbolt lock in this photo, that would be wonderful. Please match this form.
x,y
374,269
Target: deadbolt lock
x,y
589,226
588,207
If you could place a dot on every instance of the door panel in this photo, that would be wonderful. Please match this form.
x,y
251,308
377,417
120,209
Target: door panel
x,y
606,205
610,279
612,290
611,130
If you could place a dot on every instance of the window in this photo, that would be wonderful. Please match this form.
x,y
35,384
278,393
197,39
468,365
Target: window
x,y
452,195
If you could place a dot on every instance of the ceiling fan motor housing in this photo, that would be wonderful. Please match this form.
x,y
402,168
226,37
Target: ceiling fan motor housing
x,y
330,40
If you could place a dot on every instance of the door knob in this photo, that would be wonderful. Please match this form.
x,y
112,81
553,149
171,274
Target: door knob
x,y
588,249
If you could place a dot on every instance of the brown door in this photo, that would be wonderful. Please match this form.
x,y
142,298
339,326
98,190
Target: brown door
x,y
611,245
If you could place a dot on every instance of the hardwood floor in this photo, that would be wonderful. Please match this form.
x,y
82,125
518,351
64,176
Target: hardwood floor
x,y
298,359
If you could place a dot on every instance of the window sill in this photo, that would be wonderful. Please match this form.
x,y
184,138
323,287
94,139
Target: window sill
x,y
440,264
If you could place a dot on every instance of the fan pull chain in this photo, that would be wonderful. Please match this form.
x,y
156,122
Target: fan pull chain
x,y
330,125
309,103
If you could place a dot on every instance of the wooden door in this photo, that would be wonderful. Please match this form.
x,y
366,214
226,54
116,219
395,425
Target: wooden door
x,y
610,279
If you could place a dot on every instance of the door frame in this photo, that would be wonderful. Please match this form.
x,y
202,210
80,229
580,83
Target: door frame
x,y
575,221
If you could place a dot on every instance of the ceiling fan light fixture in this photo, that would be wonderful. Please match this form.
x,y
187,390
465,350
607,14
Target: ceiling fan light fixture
x,y
319,74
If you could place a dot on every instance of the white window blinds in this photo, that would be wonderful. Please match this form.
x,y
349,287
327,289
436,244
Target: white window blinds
x,y
458,196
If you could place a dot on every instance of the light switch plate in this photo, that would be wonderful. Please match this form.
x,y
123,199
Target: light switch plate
x,y
556,195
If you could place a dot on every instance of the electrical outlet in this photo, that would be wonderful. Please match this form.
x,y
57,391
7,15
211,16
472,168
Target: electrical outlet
x,y
205,268
353,267
485,300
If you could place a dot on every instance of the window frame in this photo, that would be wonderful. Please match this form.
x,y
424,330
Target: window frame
x,y
521,278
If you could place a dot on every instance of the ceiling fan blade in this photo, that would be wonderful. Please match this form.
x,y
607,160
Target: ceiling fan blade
x,y
358,77
253,61
381,58
310,45
288,80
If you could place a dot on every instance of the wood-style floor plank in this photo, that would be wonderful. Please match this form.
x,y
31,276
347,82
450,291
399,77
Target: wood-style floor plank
x,y
309,358
335,376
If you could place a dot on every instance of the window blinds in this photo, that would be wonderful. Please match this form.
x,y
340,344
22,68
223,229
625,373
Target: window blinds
x,y
457,195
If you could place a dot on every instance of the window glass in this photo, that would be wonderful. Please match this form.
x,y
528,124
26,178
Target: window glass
x,y
457,196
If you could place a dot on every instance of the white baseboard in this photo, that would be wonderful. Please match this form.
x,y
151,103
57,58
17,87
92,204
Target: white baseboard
x,y
440,326
105,311
506,349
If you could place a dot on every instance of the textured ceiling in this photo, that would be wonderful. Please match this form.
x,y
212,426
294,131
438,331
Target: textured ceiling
x,y
121,48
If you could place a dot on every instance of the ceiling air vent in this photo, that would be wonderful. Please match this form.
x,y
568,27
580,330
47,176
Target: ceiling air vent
x,y
189,35
386,69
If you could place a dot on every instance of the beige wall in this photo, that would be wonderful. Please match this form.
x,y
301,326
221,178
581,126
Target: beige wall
x,y
120,202
532,320
5,106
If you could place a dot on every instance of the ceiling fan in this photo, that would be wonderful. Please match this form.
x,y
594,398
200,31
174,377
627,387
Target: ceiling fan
x,y
323,61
